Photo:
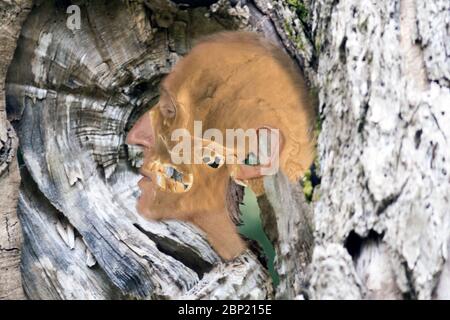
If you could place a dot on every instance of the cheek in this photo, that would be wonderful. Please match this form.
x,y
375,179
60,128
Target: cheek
x,y
146,203
209,192
142,208
206,195
159,205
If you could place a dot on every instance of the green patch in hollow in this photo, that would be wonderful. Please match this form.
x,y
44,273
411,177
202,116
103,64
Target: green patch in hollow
x,y
252,229
307,185
293,36
310,180
300,9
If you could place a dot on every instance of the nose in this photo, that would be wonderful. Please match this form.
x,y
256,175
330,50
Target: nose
x,y
141,133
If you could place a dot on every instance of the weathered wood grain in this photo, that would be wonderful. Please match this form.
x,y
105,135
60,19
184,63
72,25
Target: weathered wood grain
x,y
12,16
72,106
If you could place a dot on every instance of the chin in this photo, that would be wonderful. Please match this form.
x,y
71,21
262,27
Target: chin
x,y
144,209
141,207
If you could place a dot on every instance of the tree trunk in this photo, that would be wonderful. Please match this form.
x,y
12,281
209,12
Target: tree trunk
x,y
378,225
12,17
382,220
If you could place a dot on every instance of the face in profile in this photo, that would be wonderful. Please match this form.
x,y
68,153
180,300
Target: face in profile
x,y
251,105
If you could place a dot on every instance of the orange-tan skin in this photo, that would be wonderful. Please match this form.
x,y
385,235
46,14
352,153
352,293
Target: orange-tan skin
x,y
229,80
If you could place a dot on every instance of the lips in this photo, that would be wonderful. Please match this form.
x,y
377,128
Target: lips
x,y
143,181
167,177
145,184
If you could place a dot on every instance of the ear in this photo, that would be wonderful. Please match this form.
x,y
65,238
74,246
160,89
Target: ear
x,y
269,149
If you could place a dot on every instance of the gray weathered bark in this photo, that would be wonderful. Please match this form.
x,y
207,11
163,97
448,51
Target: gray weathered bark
x,y
378,226
11,19
382,221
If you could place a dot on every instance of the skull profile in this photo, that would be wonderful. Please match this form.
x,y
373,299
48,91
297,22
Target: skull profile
x,y
233,80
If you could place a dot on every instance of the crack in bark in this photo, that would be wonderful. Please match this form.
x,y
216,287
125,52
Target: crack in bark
x,y
9,249
288,45
388,201
411,294
179,252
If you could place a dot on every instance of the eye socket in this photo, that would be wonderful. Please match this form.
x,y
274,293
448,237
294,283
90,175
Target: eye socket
x,y
168,110
251,160
214,162
167,104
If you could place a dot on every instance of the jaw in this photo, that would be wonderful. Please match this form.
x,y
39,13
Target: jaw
x,y
220,230
204,205
221,233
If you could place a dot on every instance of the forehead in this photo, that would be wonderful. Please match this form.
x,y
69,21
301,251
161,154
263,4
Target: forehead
x,y
237,71
212,60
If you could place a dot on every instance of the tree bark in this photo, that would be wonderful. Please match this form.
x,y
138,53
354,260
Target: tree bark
x,y
382,220
378,225
12,17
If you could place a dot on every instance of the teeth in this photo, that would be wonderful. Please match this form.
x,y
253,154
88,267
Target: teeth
x,y
170,185
168,178
150,166
187,179
175,186
169,171
156,166
179,187
177,176
161,181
